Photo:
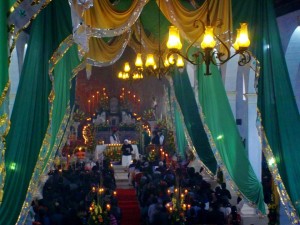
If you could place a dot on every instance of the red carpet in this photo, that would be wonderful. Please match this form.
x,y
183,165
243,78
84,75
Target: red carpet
x,y
129,205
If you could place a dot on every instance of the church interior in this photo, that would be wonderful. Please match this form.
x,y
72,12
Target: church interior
x,y
144,112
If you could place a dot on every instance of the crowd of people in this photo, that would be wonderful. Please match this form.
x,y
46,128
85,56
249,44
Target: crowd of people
x,y
155,185
68,195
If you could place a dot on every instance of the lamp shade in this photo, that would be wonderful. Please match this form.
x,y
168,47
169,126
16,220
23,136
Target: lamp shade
x,y
120,75
138,60
174,39
150,60
208,40
236,45
126,67
179,62
244,41
166,62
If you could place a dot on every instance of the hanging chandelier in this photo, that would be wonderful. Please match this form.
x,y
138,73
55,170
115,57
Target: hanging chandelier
x,y
210,45
126,74
156,64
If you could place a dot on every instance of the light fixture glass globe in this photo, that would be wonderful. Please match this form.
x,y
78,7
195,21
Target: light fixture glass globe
x,y
208,40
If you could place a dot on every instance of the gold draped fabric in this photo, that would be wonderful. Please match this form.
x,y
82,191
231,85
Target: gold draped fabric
x,y
220,13
93,17
174,11
100,51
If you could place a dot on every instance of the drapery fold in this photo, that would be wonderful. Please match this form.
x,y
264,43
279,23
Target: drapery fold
x,y
30,116
192,120
4,88
104,9
101,52
225,139
183,19
180,135
280,120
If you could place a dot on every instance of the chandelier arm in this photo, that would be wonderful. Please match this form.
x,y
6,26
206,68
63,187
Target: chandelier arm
x,y
219,55
196,25
245,57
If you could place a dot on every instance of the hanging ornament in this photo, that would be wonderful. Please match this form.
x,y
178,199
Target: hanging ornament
x,y
86,3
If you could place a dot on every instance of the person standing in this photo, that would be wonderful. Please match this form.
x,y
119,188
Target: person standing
x,y
126,153
161,138
114,138
155,138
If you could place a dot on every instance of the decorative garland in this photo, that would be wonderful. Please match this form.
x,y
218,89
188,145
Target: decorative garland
x,y
284,197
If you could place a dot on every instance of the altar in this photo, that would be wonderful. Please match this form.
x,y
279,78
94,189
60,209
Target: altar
x,y
115,149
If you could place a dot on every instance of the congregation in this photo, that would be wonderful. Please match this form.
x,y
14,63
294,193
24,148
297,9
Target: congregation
x,y
67,195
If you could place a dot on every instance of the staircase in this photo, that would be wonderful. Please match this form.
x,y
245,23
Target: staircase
x,y
121,176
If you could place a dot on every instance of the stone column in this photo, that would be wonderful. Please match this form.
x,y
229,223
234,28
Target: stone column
x,y
252,141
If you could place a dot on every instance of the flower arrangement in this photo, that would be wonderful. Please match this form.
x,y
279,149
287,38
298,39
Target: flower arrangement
x,y
99,210
152,155
113,152
127,127
103,127
98,215
177,207
148,115
79,116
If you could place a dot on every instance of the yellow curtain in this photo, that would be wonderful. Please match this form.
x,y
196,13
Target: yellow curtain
x,y
93,17
177,14
100,51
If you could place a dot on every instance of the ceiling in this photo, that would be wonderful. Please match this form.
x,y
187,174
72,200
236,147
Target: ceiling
x,y
286,6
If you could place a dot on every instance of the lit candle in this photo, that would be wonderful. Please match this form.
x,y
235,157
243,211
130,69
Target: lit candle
x,y
89,106
108,207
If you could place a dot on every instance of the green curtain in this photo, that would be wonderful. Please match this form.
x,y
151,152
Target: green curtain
x,y
30,116
186,100
4,85
62,75
179,129
3,46
276,102
224,135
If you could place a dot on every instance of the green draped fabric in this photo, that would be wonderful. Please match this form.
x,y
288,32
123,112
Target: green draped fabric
x,y
30,116
276,102
224,134
186,100
179,129
3,46
62,76
153,24
3,88
11,2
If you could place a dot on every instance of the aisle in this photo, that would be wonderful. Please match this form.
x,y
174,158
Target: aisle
x,y
130,207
